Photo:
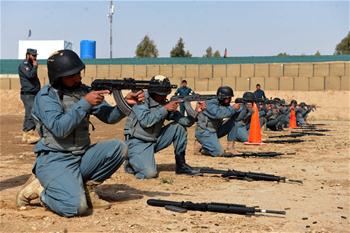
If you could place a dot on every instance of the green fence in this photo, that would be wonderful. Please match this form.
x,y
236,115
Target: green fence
x,y
10,66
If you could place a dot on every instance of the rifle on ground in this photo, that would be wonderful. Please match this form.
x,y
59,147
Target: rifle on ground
x,y
297,135
267,154
115,87
308,133
284,141
183,206
234,174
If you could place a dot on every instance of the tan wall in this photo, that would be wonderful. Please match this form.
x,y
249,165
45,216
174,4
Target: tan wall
x,y
321,76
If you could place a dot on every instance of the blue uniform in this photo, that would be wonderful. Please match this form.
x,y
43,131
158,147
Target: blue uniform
x,y
211,126
183,91
146,134
30,86
260,94
65,157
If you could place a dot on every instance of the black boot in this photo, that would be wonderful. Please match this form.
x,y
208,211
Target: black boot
x,y
183,168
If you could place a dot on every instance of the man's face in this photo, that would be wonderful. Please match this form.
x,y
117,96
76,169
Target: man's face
x,y
72,80
31,57
258,87
184,84
159,98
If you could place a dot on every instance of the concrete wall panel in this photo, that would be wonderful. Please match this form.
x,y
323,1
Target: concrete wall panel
x,y
271,83
332,83
4,84
276,70
116,72
152,70
219,71
261,70
103,71
42,71
301,84
337,69
127,71
306,70
317,83
291,70
247,70
191,71
347,69
179,71
286,83
230,81
214,83
257,80
321,69
166,70
205,71
140,72
233,70
15,84
345,83
202,84
242,84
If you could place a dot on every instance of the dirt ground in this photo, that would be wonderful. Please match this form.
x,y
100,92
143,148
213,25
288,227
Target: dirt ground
x,y
320,204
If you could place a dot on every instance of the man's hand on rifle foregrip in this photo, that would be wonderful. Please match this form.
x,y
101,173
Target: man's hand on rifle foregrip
x,y
172,106
133,98
200,106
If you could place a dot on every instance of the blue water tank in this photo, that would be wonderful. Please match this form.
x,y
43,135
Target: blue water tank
x,y
87,49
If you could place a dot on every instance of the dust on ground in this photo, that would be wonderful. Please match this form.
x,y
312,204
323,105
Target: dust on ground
x,y
321,204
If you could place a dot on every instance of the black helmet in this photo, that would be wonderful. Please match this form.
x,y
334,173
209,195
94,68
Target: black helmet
x,y
294,102
249,97
63,63
224,92
163,89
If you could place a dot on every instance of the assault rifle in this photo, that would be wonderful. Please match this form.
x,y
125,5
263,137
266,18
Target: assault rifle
x,y
115,87
284,141
234,174
193,97
298,134
227,208
190,98
267,154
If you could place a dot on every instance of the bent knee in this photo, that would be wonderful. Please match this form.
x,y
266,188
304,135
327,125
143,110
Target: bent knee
x,y
147,174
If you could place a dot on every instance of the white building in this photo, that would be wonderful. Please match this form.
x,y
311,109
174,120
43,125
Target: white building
x,y
45,47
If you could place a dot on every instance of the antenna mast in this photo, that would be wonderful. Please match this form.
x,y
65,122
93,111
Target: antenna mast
x,y
110,17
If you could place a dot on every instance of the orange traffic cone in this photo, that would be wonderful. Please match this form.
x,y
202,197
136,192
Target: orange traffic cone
x,y
292,119
255,130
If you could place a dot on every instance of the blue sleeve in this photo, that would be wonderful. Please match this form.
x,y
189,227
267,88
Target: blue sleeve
x,y
50,112
216,111
263,93
177,91
107,113
146,118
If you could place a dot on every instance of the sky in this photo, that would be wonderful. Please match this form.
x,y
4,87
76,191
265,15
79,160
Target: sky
x,y
245,28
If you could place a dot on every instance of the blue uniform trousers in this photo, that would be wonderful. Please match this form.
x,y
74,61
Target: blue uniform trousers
x,y
63,175
28,102
141,161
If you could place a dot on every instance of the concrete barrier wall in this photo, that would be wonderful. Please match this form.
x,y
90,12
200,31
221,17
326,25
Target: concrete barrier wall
x,y
321,76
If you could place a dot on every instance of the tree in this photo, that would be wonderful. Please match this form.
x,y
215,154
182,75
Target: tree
x,y
283,54
344,46
179,50
217,54
317,53
208,52
146,48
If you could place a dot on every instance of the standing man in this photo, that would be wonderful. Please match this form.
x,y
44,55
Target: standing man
x,y
259,94
68,167
30,86
183,91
